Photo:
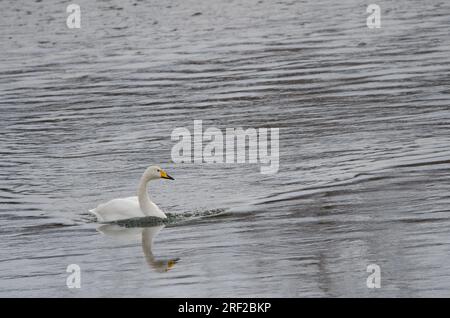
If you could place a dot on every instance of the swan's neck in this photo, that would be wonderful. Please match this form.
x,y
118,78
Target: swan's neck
x,y
146,205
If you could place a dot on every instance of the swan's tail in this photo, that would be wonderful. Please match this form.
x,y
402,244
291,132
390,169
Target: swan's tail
x,y
97,215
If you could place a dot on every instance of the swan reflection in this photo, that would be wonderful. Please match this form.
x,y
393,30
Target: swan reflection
x,y
146,236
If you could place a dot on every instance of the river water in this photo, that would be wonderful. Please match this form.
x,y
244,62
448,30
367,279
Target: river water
x,y
364,172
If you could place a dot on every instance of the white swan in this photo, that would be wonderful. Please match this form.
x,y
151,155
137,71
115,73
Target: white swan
x,y
132,207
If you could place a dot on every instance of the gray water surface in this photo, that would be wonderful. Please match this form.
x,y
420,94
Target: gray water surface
x,y
364,173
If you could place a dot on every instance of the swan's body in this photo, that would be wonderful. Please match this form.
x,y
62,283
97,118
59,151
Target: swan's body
x,y
133,207
125,208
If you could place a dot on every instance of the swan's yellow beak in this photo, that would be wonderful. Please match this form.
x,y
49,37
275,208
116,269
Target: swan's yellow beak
x,y
164,175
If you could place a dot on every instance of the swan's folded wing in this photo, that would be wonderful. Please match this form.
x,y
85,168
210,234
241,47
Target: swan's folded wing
x,y
118,209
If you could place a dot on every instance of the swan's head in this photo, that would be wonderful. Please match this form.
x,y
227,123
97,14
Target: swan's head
x,y
156,172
